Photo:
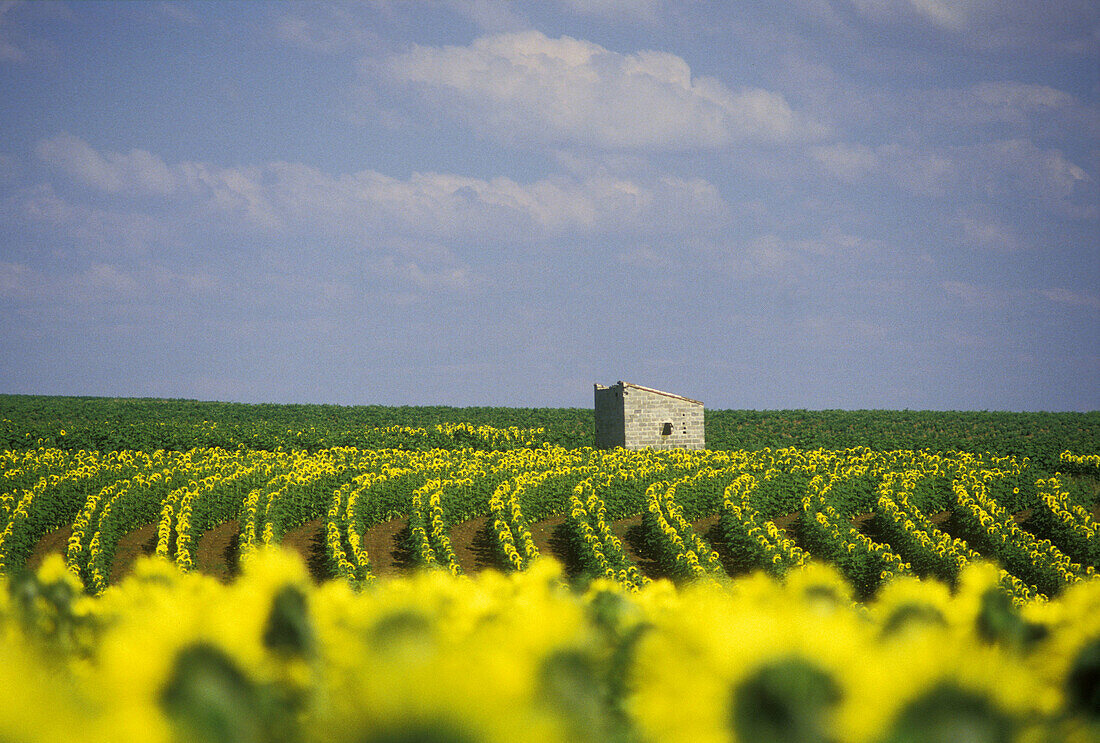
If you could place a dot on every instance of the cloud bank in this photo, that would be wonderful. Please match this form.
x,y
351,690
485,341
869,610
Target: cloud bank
x,y
526,86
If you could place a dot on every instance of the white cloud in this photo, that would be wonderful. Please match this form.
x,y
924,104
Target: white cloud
x,y
452,205
418,277
1060,26
180,13
987,232
771,254
786,260
1042,172
973,295
849,162
1014,97
1071,298
1002,101
16,280
105,279
1015,167
950,15
293,196
492,16
525,87
327,29
141,173
646,11
100,282
9,50
111,230
136,172
236,192
928,172
924,172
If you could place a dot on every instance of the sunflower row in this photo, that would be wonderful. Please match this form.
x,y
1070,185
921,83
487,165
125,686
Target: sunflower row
x,y
387,471
474,484
366,492
420,542
599,550
1082,460
1036,561
865,562
350,490
504,510
208,502
541,492
464,487
197,470
54,498
294,495
33,470
127,511
671,504
1069,524
929,547
338,545
429,535
114,510
754,541
931,551
681,551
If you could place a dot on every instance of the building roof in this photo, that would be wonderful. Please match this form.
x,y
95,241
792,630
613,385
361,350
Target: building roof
x,y
659,392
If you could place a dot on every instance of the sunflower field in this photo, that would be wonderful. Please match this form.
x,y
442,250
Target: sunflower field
x,y
461,581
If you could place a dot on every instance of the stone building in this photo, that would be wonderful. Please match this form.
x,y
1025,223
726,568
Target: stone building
x,y
637,417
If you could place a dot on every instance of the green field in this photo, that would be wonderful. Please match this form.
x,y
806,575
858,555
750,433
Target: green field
x,y
106,424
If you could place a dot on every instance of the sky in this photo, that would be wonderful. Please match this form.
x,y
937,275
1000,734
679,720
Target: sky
x,y
816,204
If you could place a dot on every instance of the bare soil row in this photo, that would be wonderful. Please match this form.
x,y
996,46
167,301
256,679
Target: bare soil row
x,y
216,552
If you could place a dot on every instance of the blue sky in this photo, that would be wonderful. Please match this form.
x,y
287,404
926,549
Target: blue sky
x,y
835,204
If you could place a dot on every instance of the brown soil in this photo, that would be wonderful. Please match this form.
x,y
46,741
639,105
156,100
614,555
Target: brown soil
x,y
308,540
939,517
218,550
141,541
473,544
552,537
707,528
543,534
957,528
710,530
860,520
54,542
783,523
703,526
385,548
629,532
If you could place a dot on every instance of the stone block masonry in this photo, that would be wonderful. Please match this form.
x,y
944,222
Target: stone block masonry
x,y
637,417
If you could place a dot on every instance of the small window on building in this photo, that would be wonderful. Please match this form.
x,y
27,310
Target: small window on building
x,y
666,429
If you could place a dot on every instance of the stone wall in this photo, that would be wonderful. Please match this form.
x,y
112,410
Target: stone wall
x,y
637,417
